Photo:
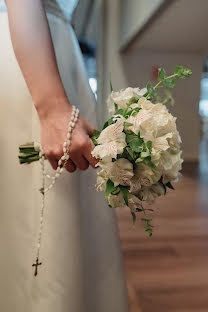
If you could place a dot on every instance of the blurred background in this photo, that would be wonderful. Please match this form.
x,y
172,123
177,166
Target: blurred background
x,y
127,41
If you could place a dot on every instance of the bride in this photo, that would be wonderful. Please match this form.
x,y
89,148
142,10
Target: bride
x,y
81,267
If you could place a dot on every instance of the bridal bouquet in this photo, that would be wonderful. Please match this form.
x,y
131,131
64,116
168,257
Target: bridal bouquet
x,y
139,147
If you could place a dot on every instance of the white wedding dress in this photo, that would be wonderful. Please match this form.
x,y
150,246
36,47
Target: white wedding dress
x,y
81,267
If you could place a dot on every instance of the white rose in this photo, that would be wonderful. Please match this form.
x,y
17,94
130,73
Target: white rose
x,y
158,189
119,171
147,195
171,165
123,97
143,176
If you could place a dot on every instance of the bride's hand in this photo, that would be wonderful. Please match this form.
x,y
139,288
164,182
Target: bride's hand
x,y
54,127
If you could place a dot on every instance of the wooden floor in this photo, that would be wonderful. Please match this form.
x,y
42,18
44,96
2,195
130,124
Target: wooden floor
x,y
169,272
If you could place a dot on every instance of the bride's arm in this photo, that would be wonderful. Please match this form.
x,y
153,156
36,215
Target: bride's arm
x,y
34,51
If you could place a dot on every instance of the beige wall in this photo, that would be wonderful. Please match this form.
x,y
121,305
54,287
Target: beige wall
x,y
134,14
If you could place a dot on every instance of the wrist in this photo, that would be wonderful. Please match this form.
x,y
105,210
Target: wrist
x,y
52,107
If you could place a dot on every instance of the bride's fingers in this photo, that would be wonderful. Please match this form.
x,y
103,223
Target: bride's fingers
x,y
90,129
79,160
87,154
53,162
70,166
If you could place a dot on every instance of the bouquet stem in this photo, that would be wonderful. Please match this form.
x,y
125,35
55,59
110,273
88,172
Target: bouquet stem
x,y
28,153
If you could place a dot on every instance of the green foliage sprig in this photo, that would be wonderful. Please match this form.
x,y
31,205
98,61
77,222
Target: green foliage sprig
x,y
166,82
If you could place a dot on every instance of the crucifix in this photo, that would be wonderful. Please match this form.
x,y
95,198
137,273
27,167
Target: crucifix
x,y
36,264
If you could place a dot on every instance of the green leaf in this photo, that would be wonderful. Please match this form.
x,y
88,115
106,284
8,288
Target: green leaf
x,y
116,192
108,123
145,154
182,72
163,185
128,124
148,162
111,86
109,188
148,226
131,153
133,100
96,134
124,190
149,87
152,92
161,74
116,107
170,82
134,142
149,145
146,220
138,160
134,217
169,185
136,110
94,141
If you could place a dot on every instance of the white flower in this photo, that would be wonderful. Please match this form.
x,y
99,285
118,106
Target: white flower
x,y
157,125
171,165
101,180
147,195
161,143
158,189
112,141
134,202
119,171
117,201
143,176
123,97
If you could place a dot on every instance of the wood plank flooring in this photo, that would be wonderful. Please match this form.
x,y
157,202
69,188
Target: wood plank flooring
x,y
169,272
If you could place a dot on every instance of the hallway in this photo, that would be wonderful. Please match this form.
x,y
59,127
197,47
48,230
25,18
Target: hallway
x,y
169,272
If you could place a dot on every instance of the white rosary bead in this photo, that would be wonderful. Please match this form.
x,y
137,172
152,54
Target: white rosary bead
x,y
62,162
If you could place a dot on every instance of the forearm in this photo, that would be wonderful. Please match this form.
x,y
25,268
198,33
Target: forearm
x,y
34,51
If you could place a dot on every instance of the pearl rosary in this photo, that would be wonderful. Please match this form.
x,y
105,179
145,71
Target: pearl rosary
x,y
61,164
